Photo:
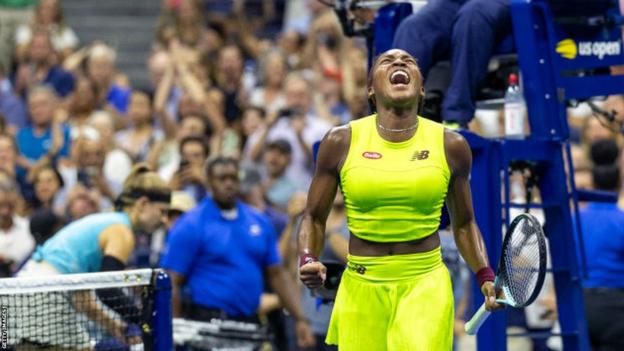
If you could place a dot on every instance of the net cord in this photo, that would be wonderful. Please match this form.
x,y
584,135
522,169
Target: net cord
x,y
73,282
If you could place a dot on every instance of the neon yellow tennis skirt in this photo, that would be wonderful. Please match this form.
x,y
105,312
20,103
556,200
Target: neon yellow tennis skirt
x,y
401,302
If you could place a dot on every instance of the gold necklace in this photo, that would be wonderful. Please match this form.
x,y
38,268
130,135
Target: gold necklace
x,y
397,130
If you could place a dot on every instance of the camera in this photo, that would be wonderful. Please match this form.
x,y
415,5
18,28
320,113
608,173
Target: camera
x,y
326,40
183,164
289,113
85,176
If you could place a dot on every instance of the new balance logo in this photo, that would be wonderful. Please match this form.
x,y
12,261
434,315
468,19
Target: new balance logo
x,y
420,155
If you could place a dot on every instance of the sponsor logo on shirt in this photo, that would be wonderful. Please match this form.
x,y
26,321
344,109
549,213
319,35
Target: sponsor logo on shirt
x,y
254,230
420,155
372,155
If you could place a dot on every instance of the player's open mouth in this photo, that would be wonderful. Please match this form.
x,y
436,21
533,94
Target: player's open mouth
x,y
399,77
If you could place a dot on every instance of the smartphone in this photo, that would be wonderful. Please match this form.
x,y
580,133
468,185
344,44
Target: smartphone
x,y
183,164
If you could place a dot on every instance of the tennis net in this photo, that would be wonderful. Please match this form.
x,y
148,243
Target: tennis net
x,y
126,310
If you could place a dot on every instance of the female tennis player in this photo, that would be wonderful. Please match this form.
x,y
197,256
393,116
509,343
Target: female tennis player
x,y
395,170
95,243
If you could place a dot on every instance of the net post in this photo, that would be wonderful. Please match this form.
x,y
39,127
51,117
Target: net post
x,y
162,318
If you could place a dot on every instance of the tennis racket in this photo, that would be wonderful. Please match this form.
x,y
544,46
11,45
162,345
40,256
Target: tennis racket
x,y
521,269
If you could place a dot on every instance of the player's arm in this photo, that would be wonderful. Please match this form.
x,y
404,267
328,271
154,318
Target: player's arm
x,y
331,155
459,203
116,243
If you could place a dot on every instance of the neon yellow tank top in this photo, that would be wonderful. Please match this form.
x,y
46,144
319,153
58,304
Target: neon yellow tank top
x,y
394,191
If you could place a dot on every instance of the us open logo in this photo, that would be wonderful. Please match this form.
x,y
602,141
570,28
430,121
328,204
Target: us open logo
x,y
569,49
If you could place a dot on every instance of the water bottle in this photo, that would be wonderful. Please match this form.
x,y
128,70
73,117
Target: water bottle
x,y
514,109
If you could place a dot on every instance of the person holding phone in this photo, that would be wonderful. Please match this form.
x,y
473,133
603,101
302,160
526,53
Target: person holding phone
x,y
298,124
190,176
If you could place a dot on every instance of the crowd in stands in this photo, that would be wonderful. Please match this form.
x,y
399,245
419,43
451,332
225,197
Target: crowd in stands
x,y
260,81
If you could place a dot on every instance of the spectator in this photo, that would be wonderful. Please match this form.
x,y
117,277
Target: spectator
x,y
86,169
467,31
81,202
159,65
47,138
49,17
300,14
272,74
81,103
222,249
330,102
298,125
9,168
48,189
141,136
291,43
197,97
165,155
101,70
149,248
603,233
229,80
13,14
190,175
184,23
181,203
43,224
594,130
11,106
8,156
40,67
330,54
278,187
254,120
16,242
117,163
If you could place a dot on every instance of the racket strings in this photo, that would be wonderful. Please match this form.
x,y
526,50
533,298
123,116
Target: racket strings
x,y
522,263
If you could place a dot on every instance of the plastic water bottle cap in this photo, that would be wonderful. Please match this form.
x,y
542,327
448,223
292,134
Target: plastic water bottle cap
x,y
513,79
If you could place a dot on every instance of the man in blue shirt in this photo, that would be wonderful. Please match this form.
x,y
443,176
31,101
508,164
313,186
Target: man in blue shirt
x,y
45,136
222,250
603,234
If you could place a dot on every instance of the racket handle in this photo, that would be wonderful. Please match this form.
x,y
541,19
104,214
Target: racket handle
x,y
473,325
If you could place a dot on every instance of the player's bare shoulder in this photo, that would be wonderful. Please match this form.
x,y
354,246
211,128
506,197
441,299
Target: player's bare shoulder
x,y
338,136
335,146
458,153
